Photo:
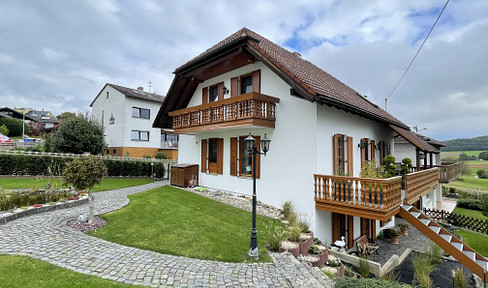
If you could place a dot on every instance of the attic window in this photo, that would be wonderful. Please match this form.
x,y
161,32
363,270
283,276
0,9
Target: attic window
x,y
108,94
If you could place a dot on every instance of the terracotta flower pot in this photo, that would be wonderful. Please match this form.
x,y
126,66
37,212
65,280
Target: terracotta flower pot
x,y
324,257
395,240
318,262
304,246
404,230
340,271
291,247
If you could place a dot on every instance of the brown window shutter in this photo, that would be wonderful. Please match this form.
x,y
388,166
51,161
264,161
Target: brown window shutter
x,y
220,156
258,156
350,232
221,91
205,95
350,161
234,87
256,81
336,154
204,156
373,148
363,155
336,232
233,156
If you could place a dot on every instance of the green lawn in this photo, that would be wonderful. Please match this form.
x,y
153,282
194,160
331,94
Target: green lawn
x,y
174,221
477,241
23,271
470,213
107,183
470,184
447,154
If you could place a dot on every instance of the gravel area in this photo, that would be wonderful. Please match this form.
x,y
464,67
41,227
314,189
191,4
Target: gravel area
x,y
240,201
85,227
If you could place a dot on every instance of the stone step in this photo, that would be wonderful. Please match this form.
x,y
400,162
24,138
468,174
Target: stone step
x,y
415,214
407,207
447,237
435,229
470,254
425,221
483,264
459,246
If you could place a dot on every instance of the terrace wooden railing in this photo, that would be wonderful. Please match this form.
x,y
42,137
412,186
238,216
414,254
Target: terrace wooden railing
x,y
378,199
449,171
420,183
251,109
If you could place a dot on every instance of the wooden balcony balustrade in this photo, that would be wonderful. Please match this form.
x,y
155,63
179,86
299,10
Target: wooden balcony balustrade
x,y
449,171
251,109
378,199
420,183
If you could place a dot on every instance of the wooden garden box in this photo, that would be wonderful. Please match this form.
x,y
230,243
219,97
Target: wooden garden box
x,y
181,174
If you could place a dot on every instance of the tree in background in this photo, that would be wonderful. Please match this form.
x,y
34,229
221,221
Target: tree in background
x,y
483,155
36,128
77,135
14,126
65,115
4,130
85,172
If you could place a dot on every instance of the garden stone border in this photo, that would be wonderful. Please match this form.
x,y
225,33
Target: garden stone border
x,y
8,216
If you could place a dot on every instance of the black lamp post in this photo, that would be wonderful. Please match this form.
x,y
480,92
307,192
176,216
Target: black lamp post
x,y
250,143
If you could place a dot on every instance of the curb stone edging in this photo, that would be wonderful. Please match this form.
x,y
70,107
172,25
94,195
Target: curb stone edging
x,y
10,216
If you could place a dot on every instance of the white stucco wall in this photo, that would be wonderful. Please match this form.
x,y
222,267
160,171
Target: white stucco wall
x,y
114,104
119,133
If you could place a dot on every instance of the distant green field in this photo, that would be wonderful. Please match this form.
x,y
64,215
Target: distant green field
x,y
470,184
455,154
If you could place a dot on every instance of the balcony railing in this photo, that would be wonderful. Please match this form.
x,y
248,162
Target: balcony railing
x,y
449,171
251,109
378,199
420,183
169,144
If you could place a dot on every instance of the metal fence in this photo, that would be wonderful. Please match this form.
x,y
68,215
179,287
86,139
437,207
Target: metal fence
x,y
459,220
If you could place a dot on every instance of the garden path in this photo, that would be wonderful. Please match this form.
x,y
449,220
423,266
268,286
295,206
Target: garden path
x,y
45,236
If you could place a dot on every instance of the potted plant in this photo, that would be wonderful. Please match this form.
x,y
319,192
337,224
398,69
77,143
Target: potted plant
x,y
404,228
394,236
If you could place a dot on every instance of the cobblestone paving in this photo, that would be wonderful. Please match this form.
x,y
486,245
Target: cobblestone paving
x,y
46,237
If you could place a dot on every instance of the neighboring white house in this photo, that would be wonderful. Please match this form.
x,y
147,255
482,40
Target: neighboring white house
x,y
127,116
320,128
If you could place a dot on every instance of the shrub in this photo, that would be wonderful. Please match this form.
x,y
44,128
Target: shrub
x,y
4,130
292,218
482,174
483,155
435,252
287,209
275,236
39,165
147,156
406,166
367,283
472,204
459,278
304,223
295,231
390,167
423,266
14,126
161,155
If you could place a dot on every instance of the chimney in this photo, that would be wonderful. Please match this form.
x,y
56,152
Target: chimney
x,y
140,88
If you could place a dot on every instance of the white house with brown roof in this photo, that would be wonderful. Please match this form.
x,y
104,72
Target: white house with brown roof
x,y
320,128
127,115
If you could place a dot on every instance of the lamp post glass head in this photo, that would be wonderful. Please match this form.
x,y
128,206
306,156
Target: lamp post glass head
x,y
249,142
265,143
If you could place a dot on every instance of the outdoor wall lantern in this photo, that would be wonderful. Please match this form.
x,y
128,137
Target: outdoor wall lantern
x,y
421,155
112,119
363,144
251,148
225,90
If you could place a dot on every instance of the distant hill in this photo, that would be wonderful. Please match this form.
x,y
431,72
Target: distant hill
x,y
467,144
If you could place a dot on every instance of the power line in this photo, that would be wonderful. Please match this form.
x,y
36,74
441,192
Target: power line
x,y
63,54
416,54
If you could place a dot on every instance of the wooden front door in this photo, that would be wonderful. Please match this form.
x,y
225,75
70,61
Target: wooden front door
x,y
343,225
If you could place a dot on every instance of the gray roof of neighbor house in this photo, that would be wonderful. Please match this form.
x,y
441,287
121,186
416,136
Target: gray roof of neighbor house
x,y
42,116
12,113
414,139
309,81
134,93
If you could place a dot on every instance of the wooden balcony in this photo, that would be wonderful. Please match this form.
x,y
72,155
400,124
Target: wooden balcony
x,y
378,199
419,183
449,171
251,109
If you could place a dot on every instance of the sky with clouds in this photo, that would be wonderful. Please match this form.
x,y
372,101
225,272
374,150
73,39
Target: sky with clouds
x,y
57,55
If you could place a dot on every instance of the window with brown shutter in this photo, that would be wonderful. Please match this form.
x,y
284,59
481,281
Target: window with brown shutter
x,y
246,83
373,148
234,87
204,156
349,160
343,160
256,81
233,156
205,95
220,156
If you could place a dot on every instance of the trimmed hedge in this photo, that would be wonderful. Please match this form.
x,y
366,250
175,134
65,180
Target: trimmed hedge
x,y
14,126
40,165
472,204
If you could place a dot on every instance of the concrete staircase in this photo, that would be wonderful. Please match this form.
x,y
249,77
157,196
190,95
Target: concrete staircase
x,y
452,245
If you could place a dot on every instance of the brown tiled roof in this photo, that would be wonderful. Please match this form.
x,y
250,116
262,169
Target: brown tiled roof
x,y
414,139
321,86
